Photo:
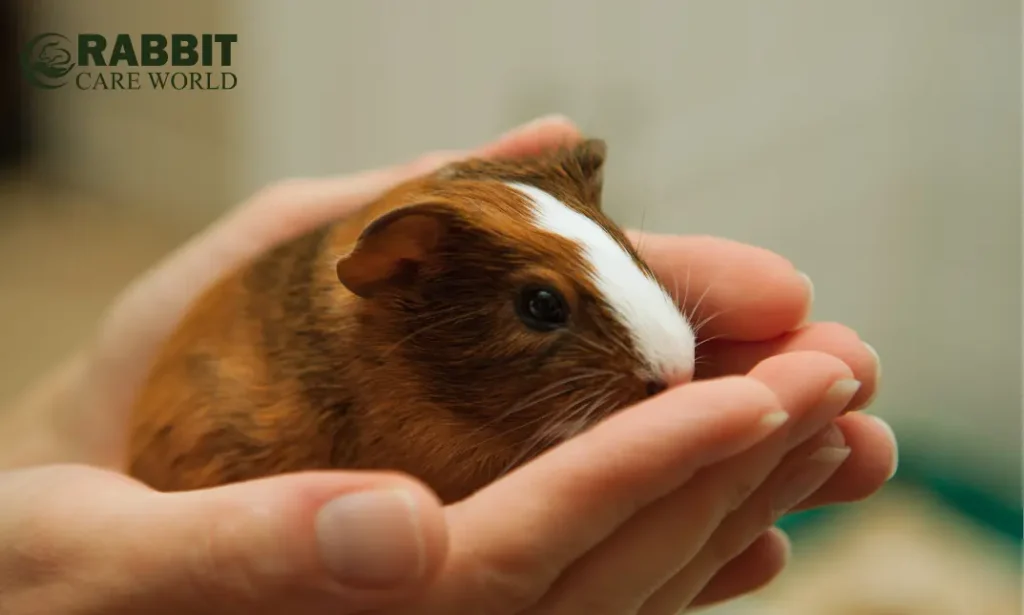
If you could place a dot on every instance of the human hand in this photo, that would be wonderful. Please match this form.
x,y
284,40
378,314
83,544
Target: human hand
x,y
645,513
149,310
750,305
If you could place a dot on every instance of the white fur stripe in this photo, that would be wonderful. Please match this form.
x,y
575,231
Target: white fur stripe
x,y
660,332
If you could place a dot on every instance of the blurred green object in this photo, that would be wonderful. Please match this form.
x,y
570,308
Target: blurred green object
x,y
1004,519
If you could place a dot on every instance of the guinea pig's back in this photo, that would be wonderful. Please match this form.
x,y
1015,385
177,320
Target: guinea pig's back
x,y
213,409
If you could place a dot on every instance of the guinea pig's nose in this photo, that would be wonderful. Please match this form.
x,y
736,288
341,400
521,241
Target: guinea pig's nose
x,y
655,386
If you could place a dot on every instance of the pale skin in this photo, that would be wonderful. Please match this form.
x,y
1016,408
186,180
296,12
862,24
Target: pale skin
x,y
667,505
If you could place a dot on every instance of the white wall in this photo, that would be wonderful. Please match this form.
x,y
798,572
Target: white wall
x,y
875,143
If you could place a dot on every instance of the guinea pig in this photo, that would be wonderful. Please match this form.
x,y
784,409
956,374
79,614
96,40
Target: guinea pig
x,y
454,329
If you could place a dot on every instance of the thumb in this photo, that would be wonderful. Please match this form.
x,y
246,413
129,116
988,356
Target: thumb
x,y
330,542
309,543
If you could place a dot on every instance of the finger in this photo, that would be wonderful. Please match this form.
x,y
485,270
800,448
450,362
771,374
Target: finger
x,y
648,549
752,570
316,543
329,542
733,290
533,138
804,379
801,473
873,462
559,506
721,357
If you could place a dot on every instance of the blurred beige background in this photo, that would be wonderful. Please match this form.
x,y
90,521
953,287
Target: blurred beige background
x,y
875,143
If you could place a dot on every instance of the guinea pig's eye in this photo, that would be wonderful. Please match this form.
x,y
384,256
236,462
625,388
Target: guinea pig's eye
x,y
542,308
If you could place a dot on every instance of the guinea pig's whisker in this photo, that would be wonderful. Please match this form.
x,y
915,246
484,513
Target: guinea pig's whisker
x,y
686,291
704,362
621,345
581,413
428,327
712,317
524,453
700,325
573,412
531,400
592,409
618,344
535,443
675,288
600,408
602,328
708,339
643,235
540,396
545,394
599,347
548,397
693,311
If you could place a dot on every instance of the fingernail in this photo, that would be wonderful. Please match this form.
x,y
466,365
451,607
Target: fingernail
x,y
810,298
836,398
813,472
371,538
895,448
773,420
839,395
878,375
810,287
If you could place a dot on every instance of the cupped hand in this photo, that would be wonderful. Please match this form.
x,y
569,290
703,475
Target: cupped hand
x,y
645,513
750,304
256,543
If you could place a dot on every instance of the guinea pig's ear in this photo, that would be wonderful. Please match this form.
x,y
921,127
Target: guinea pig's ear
x,y
588,156
391,249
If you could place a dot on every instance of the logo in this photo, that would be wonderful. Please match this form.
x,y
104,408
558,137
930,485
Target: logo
x,y
92,62
46,60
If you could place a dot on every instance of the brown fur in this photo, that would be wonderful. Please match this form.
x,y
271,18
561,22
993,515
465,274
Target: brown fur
x,y
389,340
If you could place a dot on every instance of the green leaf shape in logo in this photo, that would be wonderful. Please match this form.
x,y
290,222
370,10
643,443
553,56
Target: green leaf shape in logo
x,y
46,60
